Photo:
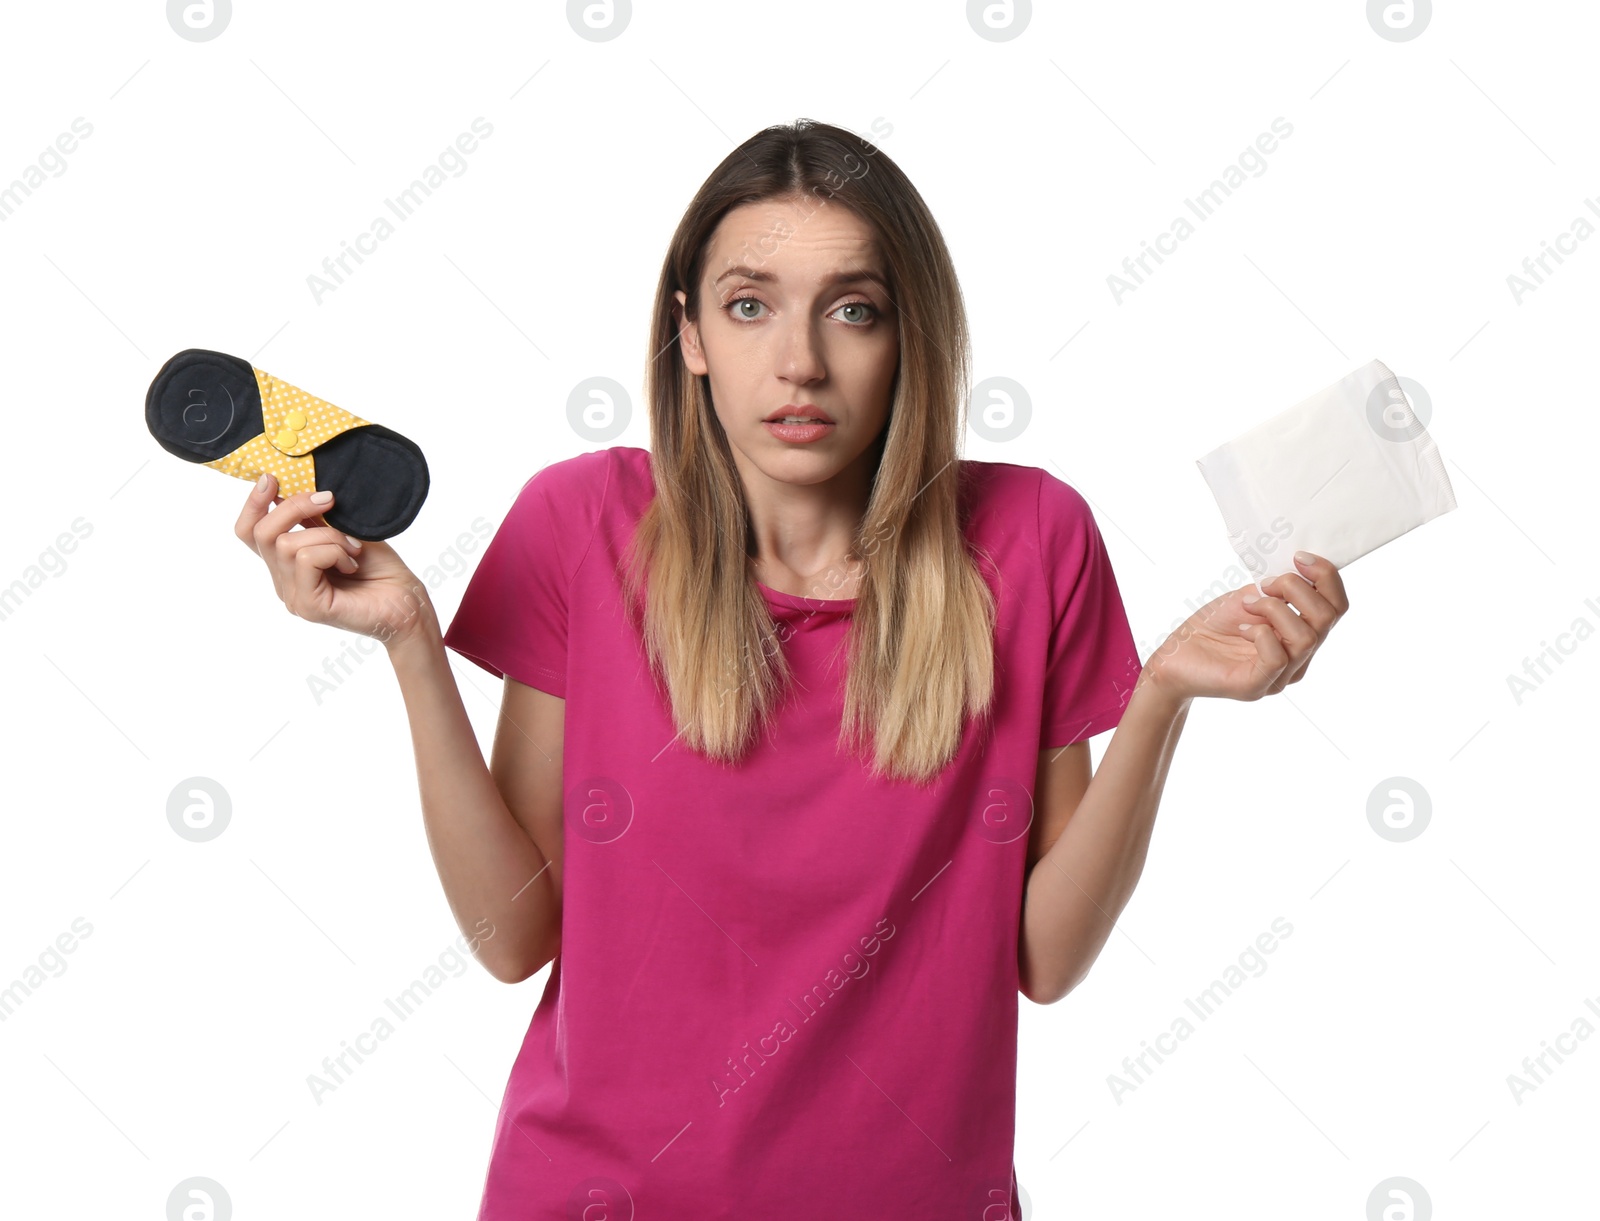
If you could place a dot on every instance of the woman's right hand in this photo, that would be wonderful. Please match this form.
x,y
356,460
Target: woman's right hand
x,y
322,575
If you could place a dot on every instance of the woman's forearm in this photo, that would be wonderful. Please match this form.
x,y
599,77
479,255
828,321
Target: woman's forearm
x,y
1077,889
484,858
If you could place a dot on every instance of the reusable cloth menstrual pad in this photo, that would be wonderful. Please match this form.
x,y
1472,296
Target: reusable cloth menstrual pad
x,y
219,411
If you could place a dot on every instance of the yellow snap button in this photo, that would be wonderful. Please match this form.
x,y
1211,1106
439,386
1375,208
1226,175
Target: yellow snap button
x,y
295,420
287,439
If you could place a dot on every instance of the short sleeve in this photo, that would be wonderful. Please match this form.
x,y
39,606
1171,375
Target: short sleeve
x,y
1092,663
512,620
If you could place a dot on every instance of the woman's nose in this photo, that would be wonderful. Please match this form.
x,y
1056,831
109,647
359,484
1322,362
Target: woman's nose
x,y
800,359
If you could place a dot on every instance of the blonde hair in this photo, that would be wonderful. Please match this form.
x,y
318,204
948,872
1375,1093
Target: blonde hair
x,y
921,638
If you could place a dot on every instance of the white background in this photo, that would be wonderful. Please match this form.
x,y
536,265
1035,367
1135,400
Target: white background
x,y
1379,1038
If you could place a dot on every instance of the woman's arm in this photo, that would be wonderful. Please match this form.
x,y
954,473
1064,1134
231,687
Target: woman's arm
x,y
1077,888
1238,646
494,874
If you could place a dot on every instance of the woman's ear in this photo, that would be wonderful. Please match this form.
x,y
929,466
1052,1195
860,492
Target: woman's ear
x,y
688,337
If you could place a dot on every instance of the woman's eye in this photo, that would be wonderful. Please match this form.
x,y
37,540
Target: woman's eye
x,y
734,308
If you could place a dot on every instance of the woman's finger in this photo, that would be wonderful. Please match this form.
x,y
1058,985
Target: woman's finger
x,y
1305,597
1268,647
290,512
1298,636
1325,577
288,543
310,565
256,506
286,561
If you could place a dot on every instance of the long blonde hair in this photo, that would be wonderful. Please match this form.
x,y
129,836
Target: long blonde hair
x,y
921,639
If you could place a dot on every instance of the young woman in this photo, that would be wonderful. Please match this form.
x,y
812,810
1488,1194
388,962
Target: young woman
x,y
791,784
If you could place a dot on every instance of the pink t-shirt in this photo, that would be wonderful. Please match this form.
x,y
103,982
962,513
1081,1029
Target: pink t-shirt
x,y
788,990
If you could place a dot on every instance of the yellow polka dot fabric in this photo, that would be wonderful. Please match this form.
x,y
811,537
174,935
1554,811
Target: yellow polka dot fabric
x,y
293,424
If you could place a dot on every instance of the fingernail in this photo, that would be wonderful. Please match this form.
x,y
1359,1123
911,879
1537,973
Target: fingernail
x,y
1249,598
321,498
1305,557
354,542
261,484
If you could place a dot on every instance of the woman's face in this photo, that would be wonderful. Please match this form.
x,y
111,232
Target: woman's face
x,y
795,313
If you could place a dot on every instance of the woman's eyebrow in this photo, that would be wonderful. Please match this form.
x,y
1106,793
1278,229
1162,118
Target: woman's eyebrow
x,y
837,277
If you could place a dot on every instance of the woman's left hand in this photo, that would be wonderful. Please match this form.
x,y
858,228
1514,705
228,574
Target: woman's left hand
x,y
1209,653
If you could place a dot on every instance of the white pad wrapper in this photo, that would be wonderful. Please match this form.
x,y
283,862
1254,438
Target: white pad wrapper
x,y
1338,474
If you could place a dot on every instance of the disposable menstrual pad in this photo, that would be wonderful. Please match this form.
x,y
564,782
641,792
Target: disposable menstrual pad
x,y
1339,474
219,411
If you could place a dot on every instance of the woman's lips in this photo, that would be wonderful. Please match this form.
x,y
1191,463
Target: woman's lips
x,y
813,431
